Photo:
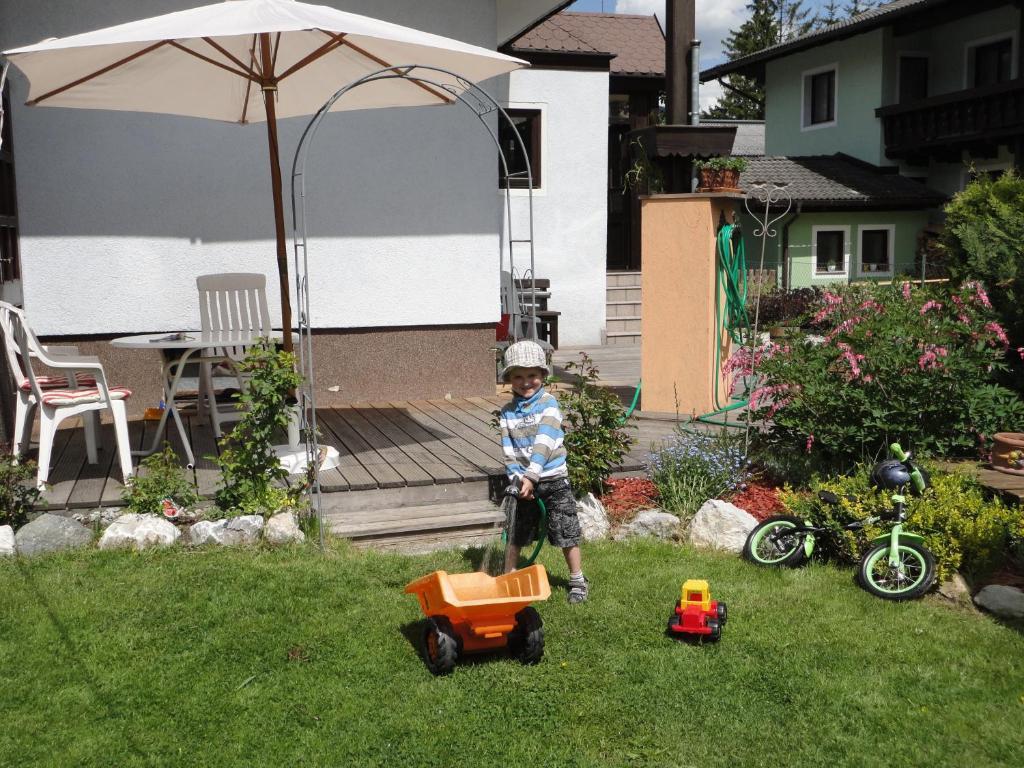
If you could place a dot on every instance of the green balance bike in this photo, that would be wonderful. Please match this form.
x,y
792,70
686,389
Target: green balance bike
x,y
896,565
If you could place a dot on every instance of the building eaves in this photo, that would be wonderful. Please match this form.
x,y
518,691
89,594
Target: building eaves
x,y
839,181
881,16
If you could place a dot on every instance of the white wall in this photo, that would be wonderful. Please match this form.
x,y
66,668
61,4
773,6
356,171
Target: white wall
x,y
119,212
570,210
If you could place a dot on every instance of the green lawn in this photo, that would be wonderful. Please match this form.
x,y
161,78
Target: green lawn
x,y
287,658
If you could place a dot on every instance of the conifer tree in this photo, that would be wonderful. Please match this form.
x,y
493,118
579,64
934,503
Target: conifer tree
x,y
760,30
830,13
854,7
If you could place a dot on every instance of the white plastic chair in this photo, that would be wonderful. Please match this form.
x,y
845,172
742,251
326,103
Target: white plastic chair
x,y
23,387
233,302
57,404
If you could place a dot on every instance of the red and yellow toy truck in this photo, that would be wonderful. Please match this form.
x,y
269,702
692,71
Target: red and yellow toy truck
x,y
696,613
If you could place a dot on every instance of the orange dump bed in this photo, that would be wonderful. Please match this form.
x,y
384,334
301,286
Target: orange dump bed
x,y
481,608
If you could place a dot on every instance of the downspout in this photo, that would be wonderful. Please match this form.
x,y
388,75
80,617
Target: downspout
x,y
694,101
785,245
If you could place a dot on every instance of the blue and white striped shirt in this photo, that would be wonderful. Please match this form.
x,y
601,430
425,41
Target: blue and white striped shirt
x,y
532,437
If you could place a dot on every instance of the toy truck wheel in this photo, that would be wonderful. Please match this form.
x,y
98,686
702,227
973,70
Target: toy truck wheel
x,y
673,622
716,629
440,646
723,614
526,641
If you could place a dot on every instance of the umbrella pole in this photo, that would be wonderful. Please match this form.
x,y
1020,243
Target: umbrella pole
x,y
269,94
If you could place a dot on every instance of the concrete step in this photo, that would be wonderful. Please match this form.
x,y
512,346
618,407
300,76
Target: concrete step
x,y
623,279
418,528
622,309
613,324
614,338
623,293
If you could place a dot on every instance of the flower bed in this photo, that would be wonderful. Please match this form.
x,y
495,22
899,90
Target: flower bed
x,y
761,501
627,496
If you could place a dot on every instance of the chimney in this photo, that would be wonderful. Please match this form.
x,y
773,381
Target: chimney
x,y
680,23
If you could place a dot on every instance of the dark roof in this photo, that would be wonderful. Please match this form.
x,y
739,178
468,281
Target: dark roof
x,y
749,140
637,42
881,16
839,181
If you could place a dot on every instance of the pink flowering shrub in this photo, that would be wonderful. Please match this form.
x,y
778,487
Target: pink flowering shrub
x,y
893,363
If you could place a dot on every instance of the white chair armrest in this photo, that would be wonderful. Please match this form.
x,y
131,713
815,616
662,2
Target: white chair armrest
x,y
80,362
62,350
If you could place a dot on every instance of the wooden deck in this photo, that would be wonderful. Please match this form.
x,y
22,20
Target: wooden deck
x,y
382,446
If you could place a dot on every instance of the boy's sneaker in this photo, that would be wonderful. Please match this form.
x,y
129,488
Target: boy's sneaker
x,y
579,590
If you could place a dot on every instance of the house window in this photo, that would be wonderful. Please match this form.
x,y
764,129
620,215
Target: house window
x,y
831,253
819,107
876,250
913,78
992,63
528,123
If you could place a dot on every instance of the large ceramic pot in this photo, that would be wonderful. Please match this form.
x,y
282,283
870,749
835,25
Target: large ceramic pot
x,y
1008,452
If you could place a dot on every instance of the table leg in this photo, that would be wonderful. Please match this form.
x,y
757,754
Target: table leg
x,y
171,384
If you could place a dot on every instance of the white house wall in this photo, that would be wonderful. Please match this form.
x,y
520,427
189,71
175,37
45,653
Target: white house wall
x,y
570,210
119,212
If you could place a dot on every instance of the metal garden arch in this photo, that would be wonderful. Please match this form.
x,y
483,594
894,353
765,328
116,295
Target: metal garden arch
x,y
480,103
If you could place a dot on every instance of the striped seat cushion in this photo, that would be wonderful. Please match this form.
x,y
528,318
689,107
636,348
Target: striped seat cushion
x,y
59,382
78,396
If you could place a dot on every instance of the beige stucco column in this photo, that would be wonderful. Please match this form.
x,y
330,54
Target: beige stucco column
x,y
679,323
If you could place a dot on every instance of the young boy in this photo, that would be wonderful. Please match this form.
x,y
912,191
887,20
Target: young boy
x,y
531,438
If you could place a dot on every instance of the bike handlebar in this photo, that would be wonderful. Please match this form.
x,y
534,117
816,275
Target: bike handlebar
x,y
916,478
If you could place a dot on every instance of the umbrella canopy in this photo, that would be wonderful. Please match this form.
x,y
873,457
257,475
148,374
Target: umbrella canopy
x,y
248,61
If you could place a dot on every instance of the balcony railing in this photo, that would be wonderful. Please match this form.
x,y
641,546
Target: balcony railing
x,y
953,121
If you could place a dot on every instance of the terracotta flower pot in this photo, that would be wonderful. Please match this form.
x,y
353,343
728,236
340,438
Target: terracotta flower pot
x,y
1008,452
719,180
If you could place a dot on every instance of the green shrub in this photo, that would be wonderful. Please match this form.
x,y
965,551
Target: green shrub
x,y
897,364
982,237
722,163
693,467
160,477
965,531
18,492
595,436
783,307
250,471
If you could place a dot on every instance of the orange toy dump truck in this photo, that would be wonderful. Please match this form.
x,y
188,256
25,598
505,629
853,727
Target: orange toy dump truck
x,y
470,612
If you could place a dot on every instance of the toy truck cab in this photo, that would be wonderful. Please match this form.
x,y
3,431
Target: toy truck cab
x,y
696,613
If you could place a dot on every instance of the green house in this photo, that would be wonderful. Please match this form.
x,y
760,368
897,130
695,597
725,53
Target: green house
x,y
872,123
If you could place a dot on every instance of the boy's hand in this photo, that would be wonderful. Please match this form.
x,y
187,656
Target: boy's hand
x,y
526,492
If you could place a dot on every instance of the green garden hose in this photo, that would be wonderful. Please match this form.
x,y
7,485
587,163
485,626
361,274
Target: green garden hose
x,y
730,317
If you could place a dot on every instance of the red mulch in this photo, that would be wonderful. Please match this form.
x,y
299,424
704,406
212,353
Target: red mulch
x,y
761,501
628,495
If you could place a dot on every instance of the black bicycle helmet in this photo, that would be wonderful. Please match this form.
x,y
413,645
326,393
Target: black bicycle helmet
x,y
890,474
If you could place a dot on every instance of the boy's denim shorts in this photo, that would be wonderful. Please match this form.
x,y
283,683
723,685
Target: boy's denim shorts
x,y
563,523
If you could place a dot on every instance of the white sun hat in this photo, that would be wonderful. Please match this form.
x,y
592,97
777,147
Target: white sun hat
x,y
524,354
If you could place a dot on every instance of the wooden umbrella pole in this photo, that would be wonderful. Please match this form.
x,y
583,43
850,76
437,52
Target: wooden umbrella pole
x,y
269,85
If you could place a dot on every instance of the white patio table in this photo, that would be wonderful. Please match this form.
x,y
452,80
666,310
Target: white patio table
x,y
188,343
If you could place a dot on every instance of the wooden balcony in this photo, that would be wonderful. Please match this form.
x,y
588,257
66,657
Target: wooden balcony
x,y
947,124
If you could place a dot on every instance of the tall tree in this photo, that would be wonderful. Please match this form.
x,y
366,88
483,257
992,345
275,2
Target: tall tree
x,y
854,7
830,13
794,18
769,22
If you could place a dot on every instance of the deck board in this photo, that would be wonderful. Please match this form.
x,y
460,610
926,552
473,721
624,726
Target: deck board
x,y
431,438
410,472
353,473
205,449
426,460
88,488
460,437
60,480
384,475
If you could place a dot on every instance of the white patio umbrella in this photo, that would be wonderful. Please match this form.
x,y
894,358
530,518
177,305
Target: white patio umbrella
x,y
245,61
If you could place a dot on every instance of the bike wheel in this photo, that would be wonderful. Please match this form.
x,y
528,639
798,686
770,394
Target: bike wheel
x,y
769,544
911,578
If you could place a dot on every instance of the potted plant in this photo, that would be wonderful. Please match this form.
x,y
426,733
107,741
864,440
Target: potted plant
x,y
720,174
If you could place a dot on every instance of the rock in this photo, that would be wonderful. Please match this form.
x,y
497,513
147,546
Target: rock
x,y
721,525
51,533
650,522
283,528
956,591
6,541
1005,602
593,519
102,516
139,532
233,532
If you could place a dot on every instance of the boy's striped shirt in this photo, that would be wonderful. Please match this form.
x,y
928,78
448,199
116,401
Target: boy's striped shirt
x,y
532,437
